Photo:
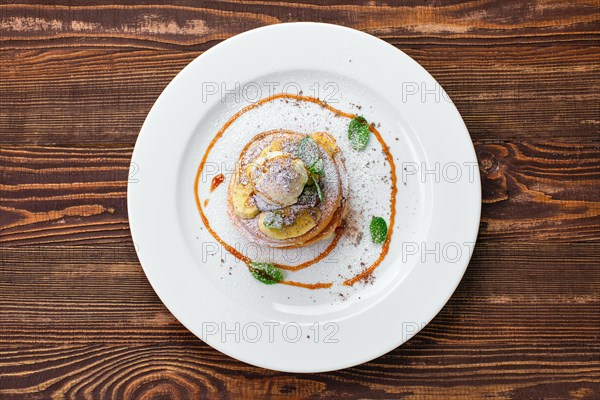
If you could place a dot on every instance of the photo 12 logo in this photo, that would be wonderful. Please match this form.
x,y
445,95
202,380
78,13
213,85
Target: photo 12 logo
x,y
270,331
437,172
132,177
423,92
436,252
213,249
251,92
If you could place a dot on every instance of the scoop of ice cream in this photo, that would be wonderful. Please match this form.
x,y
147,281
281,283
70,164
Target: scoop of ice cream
x,y
279,178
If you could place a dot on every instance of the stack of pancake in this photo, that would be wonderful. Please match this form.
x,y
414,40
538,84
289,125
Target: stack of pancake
x,y
273,199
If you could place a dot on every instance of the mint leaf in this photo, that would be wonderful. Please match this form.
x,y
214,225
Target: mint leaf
x,y
319,191
309,196
265,273
308,151
358,133
317,168
273,220
379,230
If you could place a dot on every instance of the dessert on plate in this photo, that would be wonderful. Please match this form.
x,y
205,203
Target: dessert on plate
x,y
289,189
309,188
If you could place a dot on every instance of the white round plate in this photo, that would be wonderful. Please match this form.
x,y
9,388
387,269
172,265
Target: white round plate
x,y
282,327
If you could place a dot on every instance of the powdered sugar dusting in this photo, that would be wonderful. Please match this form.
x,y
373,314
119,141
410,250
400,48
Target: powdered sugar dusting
x,y
368,179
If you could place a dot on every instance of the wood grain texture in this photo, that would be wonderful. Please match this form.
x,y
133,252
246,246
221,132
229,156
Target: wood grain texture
x,y
528,91
188,23
78,319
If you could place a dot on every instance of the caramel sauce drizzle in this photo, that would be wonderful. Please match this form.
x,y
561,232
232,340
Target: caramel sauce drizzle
x,y
216,181
311,286
319,285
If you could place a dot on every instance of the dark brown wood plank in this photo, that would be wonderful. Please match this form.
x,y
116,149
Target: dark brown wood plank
x,y
188,24
93,97
532,191
536,191
82,321
101,371
64,194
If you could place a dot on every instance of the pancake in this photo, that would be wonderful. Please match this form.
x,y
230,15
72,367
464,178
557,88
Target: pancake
x,y
269,181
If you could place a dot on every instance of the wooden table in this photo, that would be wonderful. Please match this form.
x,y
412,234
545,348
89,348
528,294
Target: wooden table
x,y
78,318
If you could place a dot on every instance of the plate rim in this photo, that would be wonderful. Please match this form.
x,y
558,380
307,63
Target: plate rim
x,y
132,193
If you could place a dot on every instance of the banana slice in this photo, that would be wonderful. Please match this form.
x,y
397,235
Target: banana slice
x,y
305,221
326,141
240,197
